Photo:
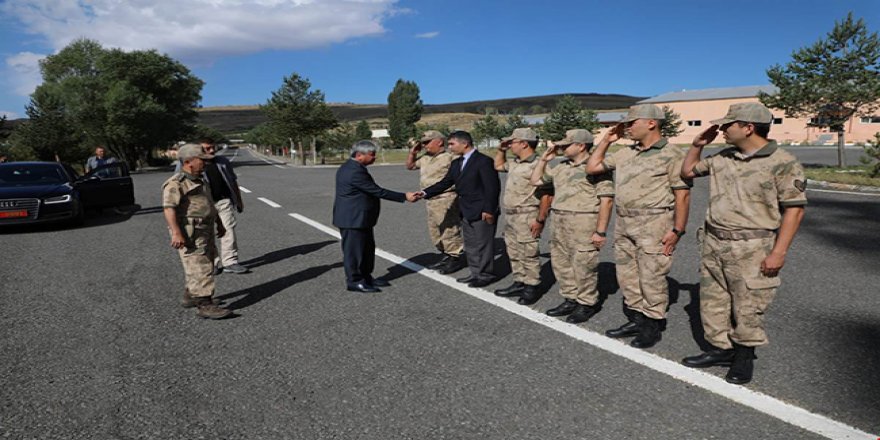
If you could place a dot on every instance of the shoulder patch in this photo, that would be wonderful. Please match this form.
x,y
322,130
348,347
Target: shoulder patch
x,y
801,185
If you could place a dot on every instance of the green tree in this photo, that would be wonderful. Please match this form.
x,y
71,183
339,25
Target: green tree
x,y
404,110
488,128
566,115
129,102
836,78
49,132
341,138
299,114
672,124
537,109
872,151
262,135
363,131
513,122
203,131
441,127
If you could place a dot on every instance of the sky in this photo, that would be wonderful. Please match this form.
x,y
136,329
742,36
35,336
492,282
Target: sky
x,y
455,50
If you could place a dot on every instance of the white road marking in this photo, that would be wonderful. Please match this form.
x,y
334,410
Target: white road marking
x,y
854,193
771,406
244,190
279,166
268,202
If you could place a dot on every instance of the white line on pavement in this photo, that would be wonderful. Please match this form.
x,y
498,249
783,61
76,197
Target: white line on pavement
x,y
268,202
244,190
761,402
844,192
279,166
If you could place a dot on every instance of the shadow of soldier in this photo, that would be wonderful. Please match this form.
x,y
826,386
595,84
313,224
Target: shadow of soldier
x,y
253,295
397,271
692,309
283,254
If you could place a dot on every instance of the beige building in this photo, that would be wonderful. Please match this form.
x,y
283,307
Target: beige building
x,y
698,107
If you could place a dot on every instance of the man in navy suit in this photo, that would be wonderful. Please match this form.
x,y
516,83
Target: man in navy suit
x,y
355,212
478,188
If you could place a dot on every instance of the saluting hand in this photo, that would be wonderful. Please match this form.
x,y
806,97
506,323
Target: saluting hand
x,y
549,153
706,137
614,134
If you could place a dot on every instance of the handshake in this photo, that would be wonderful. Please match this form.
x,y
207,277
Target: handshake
x,y
413,197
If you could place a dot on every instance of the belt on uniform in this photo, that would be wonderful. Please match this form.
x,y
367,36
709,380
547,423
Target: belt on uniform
x,y
564,212
633,212
520,210
746,234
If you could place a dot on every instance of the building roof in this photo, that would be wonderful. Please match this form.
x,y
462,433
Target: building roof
x,y
707,94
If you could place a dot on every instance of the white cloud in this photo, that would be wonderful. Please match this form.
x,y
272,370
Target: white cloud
x,y
203,30
428,35
23,72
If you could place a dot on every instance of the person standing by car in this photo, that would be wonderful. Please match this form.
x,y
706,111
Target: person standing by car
x,y
190,214
98,160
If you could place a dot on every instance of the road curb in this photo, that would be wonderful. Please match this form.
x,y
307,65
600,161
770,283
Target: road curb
x,y
843,187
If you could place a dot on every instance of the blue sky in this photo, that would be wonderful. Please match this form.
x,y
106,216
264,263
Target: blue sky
x,y
455,50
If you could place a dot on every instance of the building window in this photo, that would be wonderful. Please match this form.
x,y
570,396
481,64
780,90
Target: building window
x,y
777,121
695,123
870,120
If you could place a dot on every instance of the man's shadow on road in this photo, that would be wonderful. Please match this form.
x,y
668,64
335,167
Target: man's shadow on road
x,y
283,254
252,295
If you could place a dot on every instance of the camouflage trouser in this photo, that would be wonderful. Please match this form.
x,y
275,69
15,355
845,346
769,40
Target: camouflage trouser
x,y
641,265
574,257
444,224
198,256
522,248
734,294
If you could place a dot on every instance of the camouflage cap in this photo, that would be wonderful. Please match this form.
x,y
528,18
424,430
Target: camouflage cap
x,y
746,112
189,151
576,136
644,111
523,134
430,135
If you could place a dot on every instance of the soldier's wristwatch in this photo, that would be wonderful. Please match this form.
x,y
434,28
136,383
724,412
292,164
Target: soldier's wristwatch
x,y
677,232
602,234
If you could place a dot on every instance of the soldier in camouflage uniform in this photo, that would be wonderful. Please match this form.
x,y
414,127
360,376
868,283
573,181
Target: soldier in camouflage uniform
x,y
526,208
756,204
652,209
581,210
444,218
191,216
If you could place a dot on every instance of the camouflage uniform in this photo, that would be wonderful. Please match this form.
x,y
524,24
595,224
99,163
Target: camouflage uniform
x,y
444,218
746,193
575,211
195,212
520,203
645,201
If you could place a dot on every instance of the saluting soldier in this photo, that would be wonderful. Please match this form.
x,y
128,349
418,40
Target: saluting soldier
x,y
191,217
652,208
444,217
580,213
756,204
526,208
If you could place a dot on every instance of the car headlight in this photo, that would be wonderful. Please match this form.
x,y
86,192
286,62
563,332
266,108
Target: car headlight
x,y
59,199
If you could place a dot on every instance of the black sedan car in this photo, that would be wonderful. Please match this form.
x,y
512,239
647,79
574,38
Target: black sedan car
x,y
38,192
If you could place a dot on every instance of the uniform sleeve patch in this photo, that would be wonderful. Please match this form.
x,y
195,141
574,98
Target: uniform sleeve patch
x,y
801,185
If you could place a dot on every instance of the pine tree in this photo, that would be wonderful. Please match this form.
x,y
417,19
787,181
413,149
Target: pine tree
x,y
404,110
672,124
566,115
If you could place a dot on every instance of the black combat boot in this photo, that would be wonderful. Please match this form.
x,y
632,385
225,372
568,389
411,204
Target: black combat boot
x,y
582,313
529,295
512,290
649,334
566,308
443,262
454,264
631,328
711,358
743,365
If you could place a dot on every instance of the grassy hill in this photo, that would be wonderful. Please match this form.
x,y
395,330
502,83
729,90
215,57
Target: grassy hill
x,y
237,119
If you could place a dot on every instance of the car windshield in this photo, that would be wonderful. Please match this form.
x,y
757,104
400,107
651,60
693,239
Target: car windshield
x,y
31,175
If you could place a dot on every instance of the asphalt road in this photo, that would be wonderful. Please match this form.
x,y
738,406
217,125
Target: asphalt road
x,y
95,345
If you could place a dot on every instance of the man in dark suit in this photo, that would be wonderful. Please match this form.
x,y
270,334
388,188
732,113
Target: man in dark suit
x,y
478,188
355,212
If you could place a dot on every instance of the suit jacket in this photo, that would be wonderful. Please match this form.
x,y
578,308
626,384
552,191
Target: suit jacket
x,y
356,205
477,186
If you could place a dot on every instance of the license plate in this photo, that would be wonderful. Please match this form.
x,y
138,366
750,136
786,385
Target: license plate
x,y
13,214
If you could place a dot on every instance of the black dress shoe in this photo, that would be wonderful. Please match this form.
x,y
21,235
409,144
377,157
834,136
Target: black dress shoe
x,y
649,334
629,329
582,313
379,282
363,288
466,279
529,295
480,282
454,264
563,309
711,358
512,290
743,365
443,261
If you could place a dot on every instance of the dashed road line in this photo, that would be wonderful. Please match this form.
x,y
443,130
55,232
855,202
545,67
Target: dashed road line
x,y
244,190
268,202
764,403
